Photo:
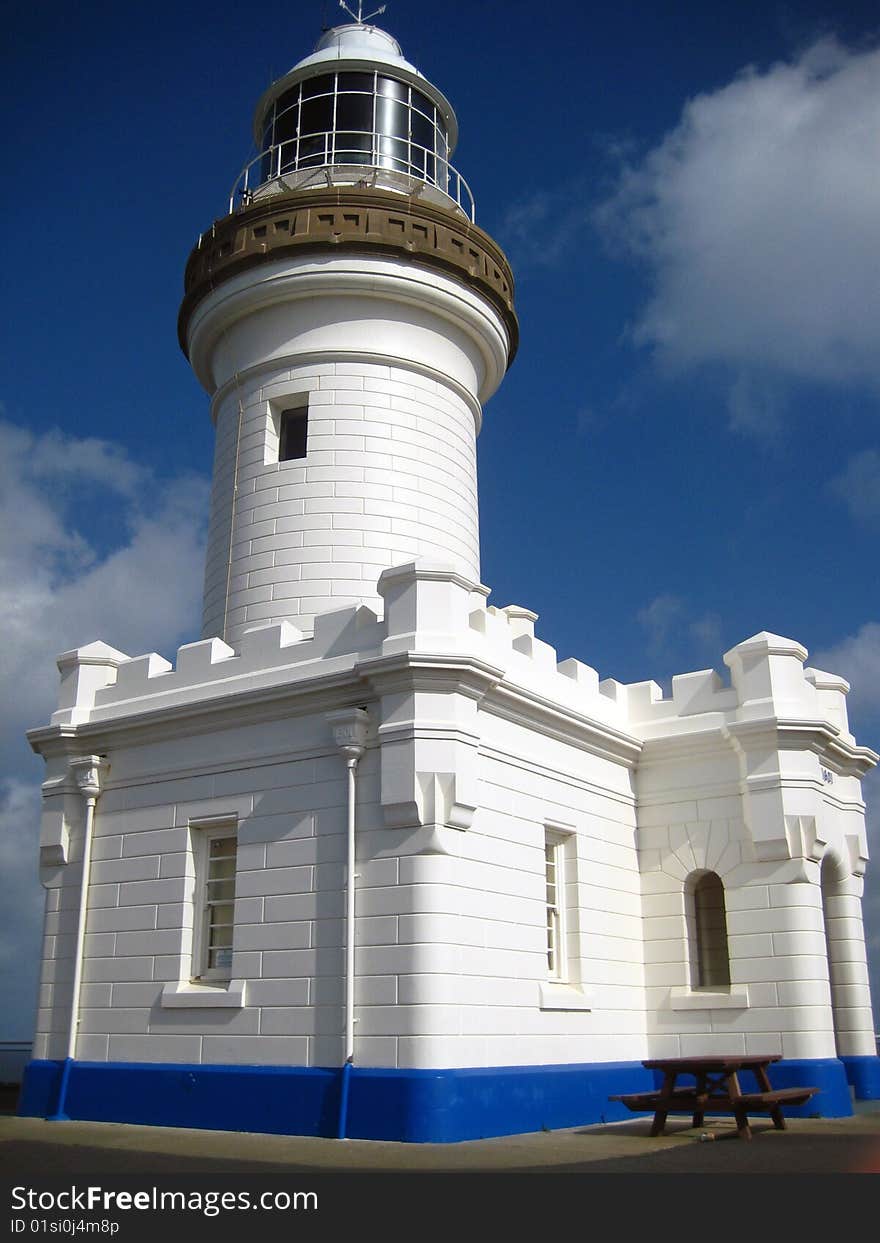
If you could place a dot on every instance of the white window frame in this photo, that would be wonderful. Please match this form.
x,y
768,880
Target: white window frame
x,y
699,993
708,944
561,988
558,968
298,400
203,836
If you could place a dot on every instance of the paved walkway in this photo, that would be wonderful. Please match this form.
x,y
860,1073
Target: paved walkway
x,y
33,1147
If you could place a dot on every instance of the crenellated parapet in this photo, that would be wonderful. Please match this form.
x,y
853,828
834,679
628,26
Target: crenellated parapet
x,y
775,739
430,608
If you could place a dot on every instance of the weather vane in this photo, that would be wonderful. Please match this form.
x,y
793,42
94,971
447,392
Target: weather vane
x,y
359,16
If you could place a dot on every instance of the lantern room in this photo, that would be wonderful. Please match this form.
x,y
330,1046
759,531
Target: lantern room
x,y
355,112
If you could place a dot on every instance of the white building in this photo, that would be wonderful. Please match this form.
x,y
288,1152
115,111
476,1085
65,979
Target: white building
x,y
556,877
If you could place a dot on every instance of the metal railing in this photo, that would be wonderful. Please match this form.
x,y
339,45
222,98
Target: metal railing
x,y
383,158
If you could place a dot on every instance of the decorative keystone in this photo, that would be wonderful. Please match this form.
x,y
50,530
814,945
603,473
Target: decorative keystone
x,y
349,726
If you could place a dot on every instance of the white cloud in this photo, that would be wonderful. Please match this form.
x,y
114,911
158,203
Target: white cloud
x,y
23,900
759,220
137,585
756,405
858,485
660,618
537,230
675,634
856,658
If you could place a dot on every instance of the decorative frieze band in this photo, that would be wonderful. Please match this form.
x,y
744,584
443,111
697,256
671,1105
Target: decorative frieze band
x,y
367,220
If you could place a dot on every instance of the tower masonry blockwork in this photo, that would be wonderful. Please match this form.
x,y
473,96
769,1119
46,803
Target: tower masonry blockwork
x,y
368,859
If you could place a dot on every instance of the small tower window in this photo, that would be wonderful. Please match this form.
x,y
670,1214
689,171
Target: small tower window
x,y
293,429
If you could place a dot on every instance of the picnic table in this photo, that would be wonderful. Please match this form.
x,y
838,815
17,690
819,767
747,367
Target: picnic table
x,y
701,1085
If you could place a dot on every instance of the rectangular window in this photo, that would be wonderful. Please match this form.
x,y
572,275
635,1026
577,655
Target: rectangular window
x,y
554,869
215,904
293,430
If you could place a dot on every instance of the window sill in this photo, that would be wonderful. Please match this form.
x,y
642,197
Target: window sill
x,y
564,997
178,995
709,999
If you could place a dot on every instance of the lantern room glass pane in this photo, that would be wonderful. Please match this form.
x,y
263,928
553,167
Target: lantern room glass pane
x,y
391,117
354,112
322,85
358,118
393,153
355,82
354,128
316,115
391,89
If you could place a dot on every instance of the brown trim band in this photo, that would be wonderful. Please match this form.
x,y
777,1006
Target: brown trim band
x,y
363,220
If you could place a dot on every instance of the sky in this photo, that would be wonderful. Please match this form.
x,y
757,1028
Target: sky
x,y
686,450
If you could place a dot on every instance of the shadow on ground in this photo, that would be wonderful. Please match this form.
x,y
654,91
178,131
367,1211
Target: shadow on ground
x,y
33,1147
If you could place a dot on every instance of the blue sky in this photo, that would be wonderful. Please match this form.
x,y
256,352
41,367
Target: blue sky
x,y
686,449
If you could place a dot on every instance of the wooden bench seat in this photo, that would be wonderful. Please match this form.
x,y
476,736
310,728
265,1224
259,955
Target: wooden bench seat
x,y
644,1102
756,1101
687,1100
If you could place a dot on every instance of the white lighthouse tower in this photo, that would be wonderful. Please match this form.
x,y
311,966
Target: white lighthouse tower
x,y
349,321
368,859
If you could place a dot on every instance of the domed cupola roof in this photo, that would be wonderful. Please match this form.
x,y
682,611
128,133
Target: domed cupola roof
x,y
357,46
355,112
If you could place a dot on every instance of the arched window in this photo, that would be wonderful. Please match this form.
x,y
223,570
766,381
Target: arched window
x,y
707,920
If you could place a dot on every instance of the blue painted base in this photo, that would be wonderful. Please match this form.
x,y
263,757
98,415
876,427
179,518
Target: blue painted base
x,y
833,1100
416,1106
863,1073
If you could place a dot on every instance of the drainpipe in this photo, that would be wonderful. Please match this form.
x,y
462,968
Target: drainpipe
x,y
350,734
86,772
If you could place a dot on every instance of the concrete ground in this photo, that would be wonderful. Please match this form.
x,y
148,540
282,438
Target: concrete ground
x,y
33,1147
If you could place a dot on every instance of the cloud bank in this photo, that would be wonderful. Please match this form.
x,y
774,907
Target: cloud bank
x,y
758,219
135,582
858,486
857,658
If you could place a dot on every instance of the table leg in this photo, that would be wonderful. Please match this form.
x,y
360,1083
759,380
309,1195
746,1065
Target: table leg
x,y
666,1092
743,1130
700,1112
763,1081
765,1086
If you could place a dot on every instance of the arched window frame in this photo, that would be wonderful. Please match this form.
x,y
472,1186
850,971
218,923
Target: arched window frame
x,y
708,949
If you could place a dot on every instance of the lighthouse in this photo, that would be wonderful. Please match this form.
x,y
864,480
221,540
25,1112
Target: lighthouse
x,y
349,321
369,858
